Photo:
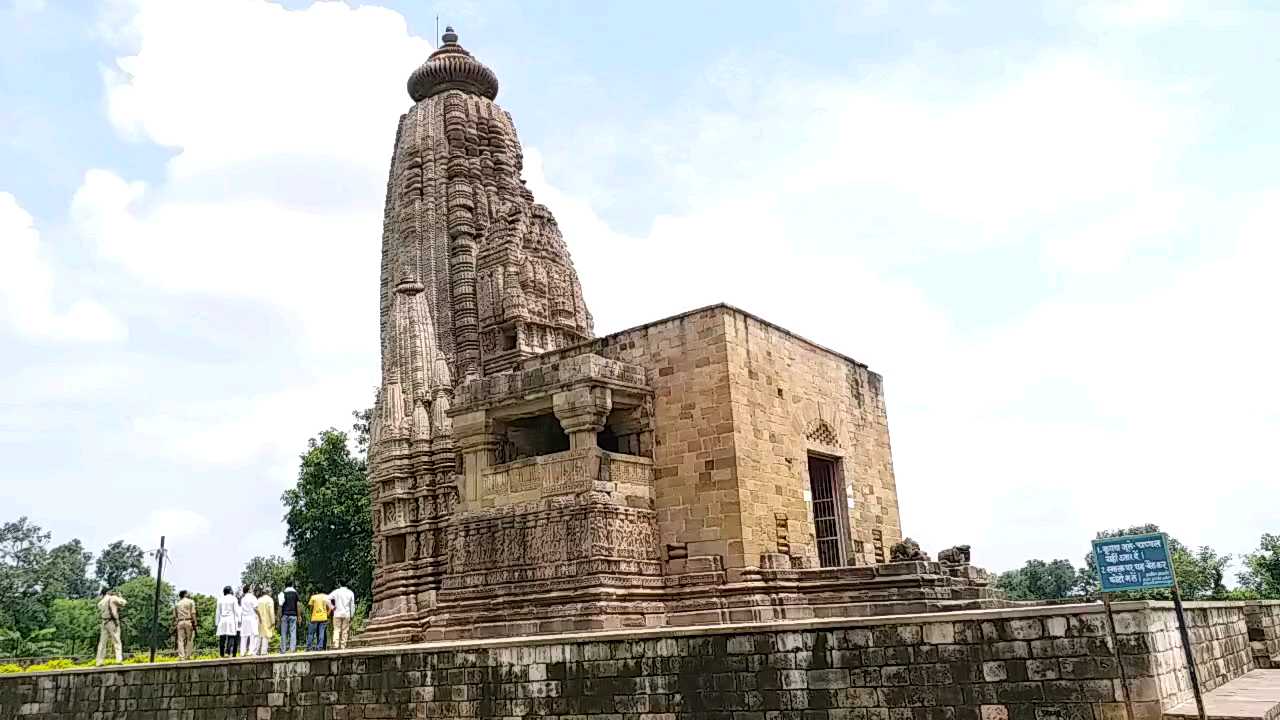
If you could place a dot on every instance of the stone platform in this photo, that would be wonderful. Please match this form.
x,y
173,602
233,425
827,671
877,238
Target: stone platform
x,y
1030,663
1253,696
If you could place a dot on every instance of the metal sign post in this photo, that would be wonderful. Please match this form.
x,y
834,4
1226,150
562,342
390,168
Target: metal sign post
x,y
1142,562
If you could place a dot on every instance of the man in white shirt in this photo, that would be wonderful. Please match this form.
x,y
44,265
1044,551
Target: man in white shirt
x,y
248,622
228,622
344,606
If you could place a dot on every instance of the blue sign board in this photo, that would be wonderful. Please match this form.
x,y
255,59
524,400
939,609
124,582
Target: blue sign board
x,y
1134,562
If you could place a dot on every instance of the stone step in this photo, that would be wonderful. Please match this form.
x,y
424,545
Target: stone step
x,y
1252,696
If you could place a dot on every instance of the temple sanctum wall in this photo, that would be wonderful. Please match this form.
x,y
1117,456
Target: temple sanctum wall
x,y
1032,663
739,405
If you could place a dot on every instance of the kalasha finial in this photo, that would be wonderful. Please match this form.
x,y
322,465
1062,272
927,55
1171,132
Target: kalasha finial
x,y
451,67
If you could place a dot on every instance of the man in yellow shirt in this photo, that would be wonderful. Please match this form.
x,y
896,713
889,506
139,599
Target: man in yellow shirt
x,y
266,611
320,607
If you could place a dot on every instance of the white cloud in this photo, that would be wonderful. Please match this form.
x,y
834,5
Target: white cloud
x,y
27,287
28,7
259,436
282,142
175,524
1130,13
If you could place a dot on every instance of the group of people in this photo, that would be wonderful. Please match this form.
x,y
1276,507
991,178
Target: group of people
x,y
246,621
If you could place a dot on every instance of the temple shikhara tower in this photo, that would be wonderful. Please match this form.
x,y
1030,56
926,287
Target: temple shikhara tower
x,y
528,477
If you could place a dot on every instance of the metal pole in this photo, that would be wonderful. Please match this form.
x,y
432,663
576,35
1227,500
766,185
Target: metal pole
x,y
1115,645
155,607
1186,648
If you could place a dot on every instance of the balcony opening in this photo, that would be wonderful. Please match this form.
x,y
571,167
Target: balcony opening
x,y
824,484
625,431
531,437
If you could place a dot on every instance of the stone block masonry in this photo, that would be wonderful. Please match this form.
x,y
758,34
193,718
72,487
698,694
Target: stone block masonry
x,y
1034,663
1262,617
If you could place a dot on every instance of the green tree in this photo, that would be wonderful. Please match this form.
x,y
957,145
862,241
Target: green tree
x,y
135,616
75,624
327,513
360,429
22,563
1040,580
206,628
1261,573
1200,572
119,563
272,572
37,643
66,572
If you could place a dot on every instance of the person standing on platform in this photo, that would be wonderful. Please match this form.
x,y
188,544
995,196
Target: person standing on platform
x,y
184,624
320,607
266,621
248,622
289,619
343,602
228,622
109,612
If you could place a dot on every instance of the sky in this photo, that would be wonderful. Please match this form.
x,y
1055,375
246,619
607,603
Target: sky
x,y
1051,226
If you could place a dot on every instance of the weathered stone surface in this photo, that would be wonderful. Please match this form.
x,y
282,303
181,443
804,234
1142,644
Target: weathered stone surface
x,y
814,669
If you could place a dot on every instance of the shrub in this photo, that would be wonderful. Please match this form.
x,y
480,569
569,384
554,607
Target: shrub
x,y
54,664
10,668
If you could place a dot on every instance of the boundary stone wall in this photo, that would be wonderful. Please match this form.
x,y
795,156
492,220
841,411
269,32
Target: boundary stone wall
x,y
1032,663
1263,620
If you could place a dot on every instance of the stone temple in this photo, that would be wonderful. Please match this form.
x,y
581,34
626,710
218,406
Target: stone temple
x,y
529,477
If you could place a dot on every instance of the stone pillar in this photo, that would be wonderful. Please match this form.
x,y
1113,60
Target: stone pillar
x,y
582,413
477,442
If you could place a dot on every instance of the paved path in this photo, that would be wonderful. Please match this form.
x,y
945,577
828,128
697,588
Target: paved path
x,y
1253,696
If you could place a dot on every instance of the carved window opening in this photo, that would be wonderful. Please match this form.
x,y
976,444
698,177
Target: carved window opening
x,y
531,437
395,549
829,516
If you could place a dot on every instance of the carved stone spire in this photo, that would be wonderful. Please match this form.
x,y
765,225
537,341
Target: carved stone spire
x,y
475,276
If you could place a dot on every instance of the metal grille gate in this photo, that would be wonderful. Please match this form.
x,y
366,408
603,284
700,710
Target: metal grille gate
x,y
826,526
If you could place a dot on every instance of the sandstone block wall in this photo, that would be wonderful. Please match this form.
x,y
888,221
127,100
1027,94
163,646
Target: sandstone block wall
x,y
738,405
1045,663
791,398
1219,643
1263,620
695,482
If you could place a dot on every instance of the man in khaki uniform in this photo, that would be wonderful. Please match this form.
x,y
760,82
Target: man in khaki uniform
x,y
184,624
109,612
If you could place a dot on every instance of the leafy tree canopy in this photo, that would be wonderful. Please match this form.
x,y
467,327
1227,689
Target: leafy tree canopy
x,y
76,625
272,572
22,561
66,572
135,616
1040,580
37,643
119,563
1261,574
327,513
